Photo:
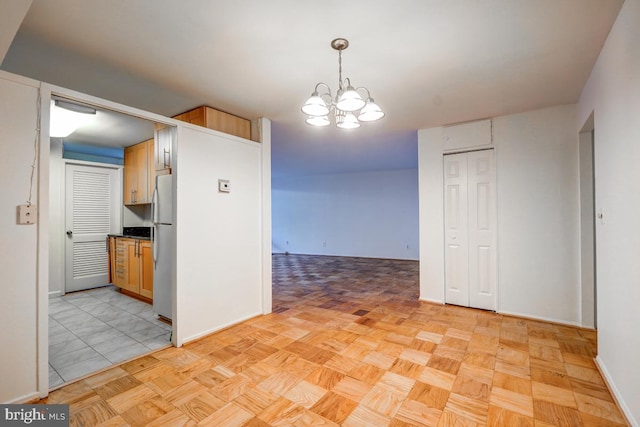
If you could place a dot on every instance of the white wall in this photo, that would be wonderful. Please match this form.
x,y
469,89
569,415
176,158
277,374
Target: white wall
x,y
431,189
612,94
18,243
263,127
218,236
587,229
137,216
367,214
538,214
538,207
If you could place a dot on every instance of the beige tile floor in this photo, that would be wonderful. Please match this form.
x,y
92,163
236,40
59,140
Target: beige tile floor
x,y
349,344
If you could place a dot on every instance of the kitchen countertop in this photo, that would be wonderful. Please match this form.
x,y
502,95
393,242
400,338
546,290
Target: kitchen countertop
x,y
128,236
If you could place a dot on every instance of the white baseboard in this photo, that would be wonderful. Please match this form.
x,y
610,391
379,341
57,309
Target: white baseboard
x,y
615,392
53,294
542,318
432,301
217,329
25,399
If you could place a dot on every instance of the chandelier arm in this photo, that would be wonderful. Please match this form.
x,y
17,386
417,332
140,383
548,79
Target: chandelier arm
x,y
364,89
324,95
327,97
322,84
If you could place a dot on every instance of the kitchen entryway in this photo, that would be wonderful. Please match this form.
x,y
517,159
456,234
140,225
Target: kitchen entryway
x,y
100,193
94,329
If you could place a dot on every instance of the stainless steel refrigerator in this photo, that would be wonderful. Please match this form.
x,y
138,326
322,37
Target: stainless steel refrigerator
x,y
163,247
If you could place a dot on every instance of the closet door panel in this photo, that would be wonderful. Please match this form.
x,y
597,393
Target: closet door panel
x,y
482,229
456,230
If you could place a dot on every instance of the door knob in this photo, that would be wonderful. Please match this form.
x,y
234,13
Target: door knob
x,y
69,233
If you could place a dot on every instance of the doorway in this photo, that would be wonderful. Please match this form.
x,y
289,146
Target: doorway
x,y
470,229
91,324
586,140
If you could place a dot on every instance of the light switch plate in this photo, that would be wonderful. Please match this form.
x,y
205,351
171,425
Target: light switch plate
x,y
224,186
27,214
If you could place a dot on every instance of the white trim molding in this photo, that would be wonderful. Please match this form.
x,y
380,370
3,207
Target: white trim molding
x,y
617,396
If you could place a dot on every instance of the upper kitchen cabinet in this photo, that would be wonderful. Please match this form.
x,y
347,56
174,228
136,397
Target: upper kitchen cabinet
x,y
217,120
138,173
162,149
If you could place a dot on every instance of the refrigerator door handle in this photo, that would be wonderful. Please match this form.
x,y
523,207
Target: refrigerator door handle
x,y
154,251
154,203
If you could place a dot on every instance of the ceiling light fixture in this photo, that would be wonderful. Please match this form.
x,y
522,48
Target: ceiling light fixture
x,y
349,107
67,117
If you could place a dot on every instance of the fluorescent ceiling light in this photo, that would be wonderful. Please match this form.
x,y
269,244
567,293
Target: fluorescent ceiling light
x,y
67,117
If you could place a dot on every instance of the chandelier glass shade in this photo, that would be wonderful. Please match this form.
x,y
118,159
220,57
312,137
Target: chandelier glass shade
x,y
349,106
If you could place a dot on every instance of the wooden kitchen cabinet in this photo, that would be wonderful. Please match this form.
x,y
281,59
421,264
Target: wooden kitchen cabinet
x,y
217,120
134,267
146,269
127,263
162,149
120,261
111,248
138,173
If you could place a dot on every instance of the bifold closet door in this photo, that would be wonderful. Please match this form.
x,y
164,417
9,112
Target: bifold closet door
x,y
470,229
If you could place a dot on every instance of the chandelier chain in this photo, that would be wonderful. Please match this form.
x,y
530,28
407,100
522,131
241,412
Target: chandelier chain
x,y
340,70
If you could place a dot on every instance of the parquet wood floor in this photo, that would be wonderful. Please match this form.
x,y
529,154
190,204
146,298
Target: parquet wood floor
x,y
348,343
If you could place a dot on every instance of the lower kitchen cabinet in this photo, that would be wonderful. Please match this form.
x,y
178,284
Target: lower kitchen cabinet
x,y
111,248
146,269
133,272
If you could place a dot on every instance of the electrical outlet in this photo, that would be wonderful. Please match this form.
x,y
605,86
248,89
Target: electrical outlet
x,y
224,186
27,214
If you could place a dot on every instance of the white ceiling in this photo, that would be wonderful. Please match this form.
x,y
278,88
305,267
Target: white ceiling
x,y
426,62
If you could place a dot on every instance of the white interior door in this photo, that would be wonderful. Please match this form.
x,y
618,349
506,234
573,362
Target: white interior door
x,y
92,196
456,230
470,229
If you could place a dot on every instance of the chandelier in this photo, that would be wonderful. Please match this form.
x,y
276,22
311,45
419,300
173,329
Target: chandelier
x,y
349,107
